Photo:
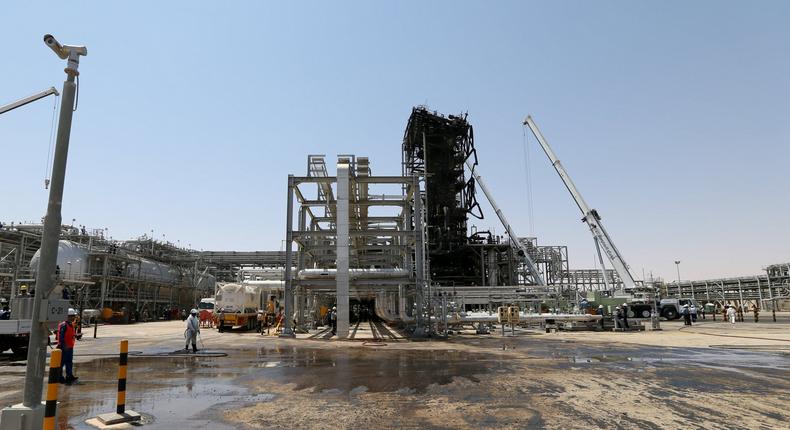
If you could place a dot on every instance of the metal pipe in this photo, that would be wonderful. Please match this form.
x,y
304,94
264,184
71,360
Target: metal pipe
x,y
289,300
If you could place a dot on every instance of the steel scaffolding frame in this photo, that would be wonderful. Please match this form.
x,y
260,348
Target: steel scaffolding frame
x,y
767,291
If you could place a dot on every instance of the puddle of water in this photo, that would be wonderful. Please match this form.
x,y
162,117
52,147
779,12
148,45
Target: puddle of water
x,y
189,392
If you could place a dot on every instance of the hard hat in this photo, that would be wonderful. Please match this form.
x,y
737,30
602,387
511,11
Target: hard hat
x,y
23,287
334,308
600,306
72,312
685,306
193,311
625,304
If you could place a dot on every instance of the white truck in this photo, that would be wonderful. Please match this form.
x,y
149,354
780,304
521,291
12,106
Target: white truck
x,y
237,306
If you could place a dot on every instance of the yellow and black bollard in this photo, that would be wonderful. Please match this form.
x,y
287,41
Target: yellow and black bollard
x,y
121,415
51,406
124,360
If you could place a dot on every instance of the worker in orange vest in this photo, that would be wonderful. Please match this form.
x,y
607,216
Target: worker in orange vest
x,y
66,338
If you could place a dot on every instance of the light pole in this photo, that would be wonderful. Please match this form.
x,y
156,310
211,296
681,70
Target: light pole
x,y
677,266
30,414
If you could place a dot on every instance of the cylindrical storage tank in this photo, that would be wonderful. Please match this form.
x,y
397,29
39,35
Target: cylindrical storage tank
x,y
72,260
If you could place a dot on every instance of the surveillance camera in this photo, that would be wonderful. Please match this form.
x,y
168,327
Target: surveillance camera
x,y
55,46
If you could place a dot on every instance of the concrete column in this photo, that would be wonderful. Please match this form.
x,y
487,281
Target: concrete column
x,y
342,222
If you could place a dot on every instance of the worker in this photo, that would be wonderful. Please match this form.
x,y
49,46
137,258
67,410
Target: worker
x,y
625,316
724,312
193,328
22,291
5,314
271,311
66,336
693,312
618,317
333,317
686,312
600,312
731,313
756,311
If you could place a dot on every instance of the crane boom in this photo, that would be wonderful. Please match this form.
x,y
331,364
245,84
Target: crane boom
x,y
591,216
28,99
531,266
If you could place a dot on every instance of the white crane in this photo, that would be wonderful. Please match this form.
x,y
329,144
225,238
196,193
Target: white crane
x,y
522,250
28,99
590,215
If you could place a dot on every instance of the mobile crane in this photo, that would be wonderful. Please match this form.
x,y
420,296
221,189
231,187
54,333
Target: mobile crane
x,y
29,99
593,220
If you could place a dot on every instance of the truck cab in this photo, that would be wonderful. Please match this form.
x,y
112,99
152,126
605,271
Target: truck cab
x,y
670,308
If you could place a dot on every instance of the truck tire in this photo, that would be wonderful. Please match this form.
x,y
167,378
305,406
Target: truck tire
x,y
19,349
670,313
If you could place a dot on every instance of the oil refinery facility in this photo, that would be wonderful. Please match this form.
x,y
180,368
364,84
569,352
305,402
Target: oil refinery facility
x,y
401,296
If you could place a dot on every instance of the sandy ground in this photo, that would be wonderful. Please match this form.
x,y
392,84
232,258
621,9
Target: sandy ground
x,y
712,375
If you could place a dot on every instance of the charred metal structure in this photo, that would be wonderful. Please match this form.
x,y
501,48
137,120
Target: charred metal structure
x,y
435,149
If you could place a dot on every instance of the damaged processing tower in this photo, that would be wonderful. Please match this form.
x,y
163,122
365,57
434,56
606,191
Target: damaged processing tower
x,y
436,149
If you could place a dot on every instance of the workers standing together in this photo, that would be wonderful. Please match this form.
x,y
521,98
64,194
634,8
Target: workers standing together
x,y
193,328
686,312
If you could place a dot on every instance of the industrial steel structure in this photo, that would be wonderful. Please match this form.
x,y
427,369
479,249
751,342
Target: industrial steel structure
x,y
768,291
138,279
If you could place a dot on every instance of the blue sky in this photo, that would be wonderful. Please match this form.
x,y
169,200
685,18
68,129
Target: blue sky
x,y
671,117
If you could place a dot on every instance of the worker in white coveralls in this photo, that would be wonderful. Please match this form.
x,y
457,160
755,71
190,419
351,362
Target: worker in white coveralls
x,y
193,328
731,314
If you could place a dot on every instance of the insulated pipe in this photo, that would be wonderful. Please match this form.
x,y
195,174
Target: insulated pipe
x,y
353,273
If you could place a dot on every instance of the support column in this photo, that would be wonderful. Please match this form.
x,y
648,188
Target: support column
x,y
103,293
289,296
341,242
418,254
301,298
401,303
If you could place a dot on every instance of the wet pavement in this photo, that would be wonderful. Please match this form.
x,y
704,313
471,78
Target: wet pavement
x,y
198,391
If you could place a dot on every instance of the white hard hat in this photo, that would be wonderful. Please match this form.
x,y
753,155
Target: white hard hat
x,y
72,312
193,311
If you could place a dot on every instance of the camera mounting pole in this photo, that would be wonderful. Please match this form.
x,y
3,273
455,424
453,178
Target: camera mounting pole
x,y
29,414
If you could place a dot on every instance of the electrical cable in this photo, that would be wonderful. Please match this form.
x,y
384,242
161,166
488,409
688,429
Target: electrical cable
x,y
50,144
528,182
77,95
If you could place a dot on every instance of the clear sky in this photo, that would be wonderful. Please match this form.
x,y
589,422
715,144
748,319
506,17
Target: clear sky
x,y
672,117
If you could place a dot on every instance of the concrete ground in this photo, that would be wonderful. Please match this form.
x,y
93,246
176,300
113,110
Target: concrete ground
x,y
711,375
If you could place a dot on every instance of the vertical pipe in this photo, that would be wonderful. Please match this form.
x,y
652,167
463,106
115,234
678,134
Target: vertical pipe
x,y
120,407
418,251
342,214
289,298
51,408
